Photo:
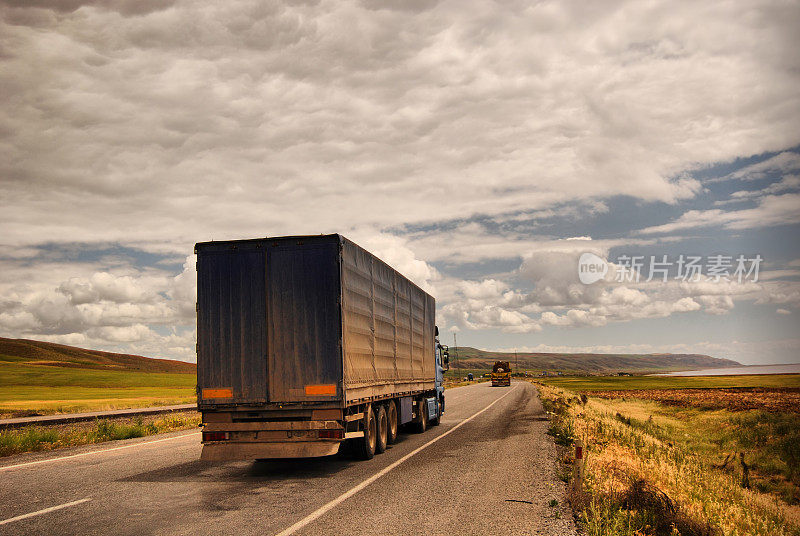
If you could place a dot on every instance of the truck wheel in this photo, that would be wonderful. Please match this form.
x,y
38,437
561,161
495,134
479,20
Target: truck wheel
x,y
422,424
435,422
365,447
391,421
382,425
439,412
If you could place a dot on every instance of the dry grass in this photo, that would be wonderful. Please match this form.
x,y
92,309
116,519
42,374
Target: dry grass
x,y
680,491
786,399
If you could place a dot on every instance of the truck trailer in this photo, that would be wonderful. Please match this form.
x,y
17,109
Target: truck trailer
x,y
308,345
501,374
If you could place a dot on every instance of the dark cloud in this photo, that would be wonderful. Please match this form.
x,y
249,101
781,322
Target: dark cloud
x,y
124,7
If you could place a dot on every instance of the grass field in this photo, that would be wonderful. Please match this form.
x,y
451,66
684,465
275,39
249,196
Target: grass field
x,y
32,388
653,468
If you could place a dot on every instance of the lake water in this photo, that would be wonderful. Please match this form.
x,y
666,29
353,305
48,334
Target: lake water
x,y
730,371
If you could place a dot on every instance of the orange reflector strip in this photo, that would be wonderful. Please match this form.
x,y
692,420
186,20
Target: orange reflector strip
x,y
314,390
217,393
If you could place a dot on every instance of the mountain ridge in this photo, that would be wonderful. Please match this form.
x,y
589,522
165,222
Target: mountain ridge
x,y
468,357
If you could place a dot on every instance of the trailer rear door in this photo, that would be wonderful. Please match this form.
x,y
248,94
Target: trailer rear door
x,y
231,332
304,321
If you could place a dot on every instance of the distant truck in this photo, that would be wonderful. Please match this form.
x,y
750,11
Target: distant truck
x,y
308,344
501,373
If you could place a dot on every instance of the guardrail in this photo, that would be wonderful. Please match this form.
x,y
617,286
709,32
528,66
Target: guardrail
x,y
78,417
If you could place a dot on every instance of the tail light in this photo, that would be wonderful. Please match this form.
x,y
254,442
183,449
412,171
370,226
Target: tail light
x,y
216,436
331,434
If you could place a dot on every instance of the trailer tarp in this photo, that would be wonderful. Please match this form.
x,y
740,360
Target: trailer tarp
x,y
388,325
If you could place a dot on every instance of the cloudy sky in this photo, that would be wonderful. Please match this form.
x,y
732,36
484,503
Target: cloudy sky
x,y
478,147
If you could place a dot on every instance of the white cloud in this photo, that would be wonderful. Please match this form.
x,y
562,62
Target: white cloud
x,y
555,297
131,333
772,210
488,288
111,310
395,251
780,164
104,286
240,119
573,318
789,182
783,311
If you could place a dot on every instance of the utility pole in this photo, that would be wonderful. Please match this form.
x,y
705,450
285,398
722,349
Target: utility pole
x,y
455,351
516,363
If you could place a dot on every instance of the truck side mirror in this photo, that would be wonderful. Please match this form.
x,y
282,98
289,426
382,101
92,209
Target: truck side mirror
x,y
446,360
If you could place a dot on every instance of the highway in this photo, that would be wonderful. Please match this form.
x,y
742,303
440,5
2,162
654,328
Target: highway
x,y
488,468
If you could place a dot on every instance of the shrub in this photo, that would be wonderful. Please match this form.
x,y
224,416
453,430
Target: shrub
x,y
30,439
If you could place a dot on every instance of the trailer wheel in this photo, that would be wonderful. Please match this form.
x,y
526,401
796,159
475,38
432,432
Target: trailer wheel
x,y
365,447
382,426
422,424
391,421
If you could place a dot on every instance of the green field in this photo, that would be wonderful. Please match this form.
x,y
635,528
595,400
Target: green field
x,y
28,388
609,383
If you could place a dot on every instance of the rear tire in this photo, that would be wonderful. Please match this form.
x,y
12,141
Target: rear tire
x,y
382,428
391,421
365,446
422,423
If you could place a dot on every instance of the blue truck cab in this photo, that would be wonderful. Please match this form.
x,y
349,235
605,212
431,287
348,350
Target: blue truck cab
x,y
435,404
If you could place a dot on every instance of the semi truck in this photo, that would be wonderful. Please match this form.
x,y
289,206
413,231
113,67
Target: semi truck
x,y
311,345
501,373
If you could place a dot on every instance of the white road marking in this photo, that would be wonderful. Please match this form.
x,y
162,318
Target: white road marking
x,y
48,460
346,495
45,511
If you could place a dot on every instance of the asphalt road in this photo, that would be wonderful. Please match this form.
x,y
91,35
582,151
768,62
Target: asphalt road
x,y
488,468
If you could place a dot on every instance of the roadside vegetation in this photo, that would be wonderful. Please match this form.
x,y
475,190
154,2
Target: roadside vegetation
x,y
690,469
39,438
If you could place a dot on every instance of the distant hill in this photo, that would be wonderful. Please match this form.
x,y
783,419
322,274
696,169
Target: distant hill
x,y
29,352
472,358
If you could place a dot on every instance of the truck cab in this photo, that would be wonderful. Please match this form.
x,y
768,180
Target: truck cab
x,y
442,364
